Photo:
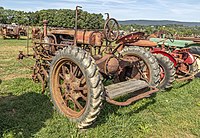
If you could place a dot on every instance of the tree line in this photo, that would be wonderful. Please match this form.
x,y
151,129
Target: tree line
x,y
179,30
56,18
66,18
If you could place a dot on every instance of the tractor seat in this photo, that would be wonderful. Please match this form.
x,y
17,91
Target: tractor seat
x,y
132,37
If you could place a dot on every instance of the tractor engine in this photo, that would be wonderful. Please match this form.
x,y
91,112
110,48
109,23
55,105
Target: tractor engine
x,y
108,64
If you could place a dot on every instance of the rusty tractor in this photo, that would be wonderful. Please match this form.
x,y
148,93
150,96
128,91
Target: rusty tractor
x,y
76,63
13,31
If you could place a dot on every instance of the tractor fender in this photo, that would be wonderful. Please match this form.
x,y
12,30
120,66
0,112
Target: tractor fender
x,y
190,59
167,55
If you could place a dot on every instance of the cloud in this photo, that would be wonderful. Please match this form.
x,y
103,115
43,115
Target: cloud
x,y
182,10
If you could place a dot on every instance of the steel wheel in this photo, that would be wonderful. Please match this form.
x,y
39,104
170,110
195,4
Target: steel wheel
x,y
70,86
75,86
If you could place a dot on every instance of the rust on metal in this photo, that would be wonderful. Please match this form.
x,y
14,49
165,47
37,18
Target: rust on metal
x,y
45,22
69,85
13,31
133,99
130,38
194,39
143,43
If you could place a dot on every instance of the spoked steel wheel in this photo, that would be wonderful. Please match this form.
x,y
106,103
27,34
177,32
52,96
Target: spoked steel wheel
x,y
69,85
75,86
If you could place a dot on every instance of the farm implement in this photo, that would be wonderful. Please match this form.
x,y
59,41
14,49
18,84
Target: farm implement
x,y
78,63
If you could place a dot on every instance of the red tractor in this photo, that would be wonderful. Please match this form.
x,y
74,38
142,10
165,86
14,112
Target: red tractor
x,y
175,63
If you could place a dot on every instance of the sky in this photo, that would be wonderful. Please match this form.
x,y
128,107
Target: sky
x,y
179,10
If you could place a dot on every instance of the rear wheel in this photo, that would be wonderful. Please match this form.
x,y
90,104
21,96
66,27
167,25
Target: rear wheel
x,y
144,65
195,50
167,71
75,85
193,69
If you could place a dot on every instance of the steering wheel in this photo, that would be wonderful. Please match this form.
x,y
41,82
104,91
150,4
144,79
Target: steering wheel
x,y
111,29
166,35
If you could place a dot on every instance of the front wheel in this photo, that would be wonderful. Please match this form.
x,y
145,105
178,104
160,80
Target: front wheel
x,y
75,86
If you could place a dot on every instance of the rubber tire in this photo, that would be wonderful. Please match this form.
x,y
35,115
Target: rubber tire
x,y
96,88
169,71
196,50
193,68
148,58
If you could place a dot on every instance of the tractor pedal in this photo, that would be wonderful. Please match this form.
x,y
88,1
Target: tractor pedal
x,y
123,88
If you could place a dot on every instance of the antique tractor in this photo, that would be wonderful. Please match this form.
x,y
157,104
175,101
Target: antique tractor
x,y
78,64
194,44
13,31
95,39
178,52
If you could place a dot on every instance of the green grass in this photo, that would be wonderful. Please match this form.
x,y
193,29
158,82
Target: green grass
x,y
25,112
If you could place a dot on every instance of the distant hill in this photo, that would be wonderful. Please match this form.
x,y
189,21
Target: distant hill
x,y
158,22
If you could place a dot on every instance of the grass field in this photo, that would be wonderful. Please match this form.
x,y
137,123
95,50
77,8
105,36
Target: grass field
x,y
25,112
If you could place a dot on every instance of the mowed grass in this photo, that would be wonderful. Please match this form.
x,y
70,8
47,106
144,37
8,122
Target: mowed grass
x,y
25,112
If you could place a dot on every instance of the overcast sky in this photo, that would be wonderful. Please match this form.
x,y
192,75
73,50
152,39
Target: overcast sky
x,y
180,10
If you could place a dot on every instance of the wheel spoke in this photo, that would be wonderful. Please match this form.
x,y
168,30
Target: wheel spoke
x,y
82,81
112,34
65,96
65,73
113,25
108,26
61,76
72,72
83,96
80,88
77,103
75,69
62,86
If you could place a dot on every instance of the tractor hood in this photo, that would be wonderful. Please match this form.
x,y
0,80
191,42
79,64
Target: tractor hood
x,y
176,43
